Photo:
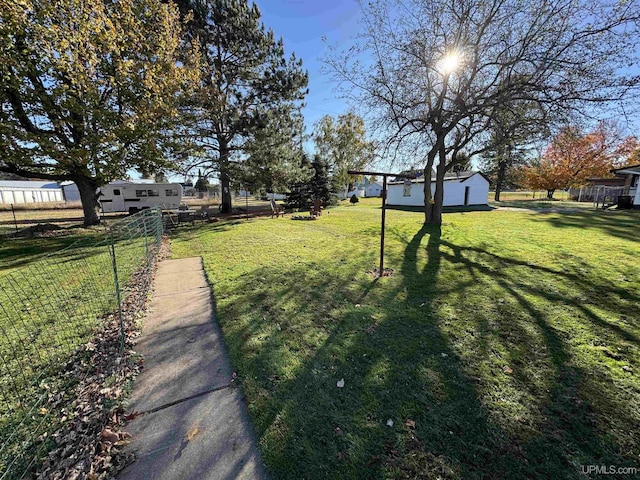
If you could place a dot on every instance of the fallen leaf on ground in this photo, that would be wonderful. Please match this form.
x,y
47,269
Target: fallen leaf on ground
x,y
109,436
390,423
340,383
192,434
507,369
410,423
130,416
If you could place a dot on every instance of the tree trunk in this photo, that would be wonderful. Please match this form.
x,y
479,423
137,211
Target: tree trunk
x,y
502,169
438,197
87,189
225,183
225,179
428,198
550,194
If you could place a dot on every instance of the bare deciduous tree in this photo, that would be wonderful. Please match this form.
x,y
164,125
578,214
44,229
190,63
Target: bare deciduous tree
x,y
442,69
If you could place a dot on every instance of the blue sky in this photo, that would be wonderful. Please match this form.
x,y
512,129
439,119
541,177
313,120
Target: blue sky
x,y
302,24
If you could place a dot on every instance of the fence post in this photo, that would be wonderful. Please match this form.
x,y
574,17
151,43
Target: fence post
x,y
146,241
159,229
15,222
114,265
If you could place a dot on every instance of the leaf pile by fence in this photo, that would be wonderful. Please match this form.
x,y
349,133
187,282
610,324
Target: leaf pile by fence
x,y
49,308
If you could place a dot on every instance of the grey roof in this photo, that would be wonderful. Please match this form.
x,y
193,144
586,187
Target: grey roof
x,y
630,169
17,184
449,176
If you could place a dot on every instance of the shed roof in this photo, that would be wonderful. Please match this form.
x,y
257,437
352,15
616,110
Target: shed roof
x,y
631,169
449,177
18,184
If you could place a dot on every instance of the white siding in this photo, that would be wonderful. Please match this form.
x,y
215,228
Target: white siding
x,y
373,190
6,196
454,192
29,192
395,194
276,196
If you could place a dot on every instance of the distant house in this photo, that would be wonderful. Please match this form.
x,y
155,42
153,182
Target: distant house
x,y
607,191
27,191
365,188
373,190
460,189
356,189
276,196
631,175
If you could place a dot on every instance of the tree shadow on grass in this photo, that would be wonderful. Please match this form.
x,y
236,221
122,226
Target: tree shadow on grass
x,y
411,349
621,224
396,365
571,420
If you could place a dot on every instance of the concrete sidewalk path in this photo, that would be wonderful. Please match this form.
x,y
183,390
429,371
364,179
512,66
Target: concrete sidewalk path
x,y
192,424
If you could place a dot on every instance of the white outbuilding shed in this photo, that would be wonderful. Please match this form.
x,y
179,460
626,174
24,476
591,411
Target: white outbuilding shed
x,y
373,189
25,191
461,189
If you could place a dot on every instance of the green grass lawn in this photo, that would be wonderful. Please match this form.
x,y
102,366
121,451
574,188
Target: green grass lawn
x,y
539,201
505,345
558,195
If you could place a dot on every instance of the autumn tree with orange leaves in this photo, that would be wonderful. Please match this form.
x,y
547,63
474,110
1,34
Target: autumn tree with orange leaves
x,y
574,157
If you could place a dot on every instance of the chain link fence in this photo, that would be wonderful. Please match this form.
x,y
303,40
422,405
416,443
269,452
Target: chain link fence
x,y
48,308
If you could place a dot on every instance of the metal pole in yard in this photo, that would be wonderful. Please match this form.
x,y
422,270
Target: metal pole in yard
x,y
384,203
15,222
384,211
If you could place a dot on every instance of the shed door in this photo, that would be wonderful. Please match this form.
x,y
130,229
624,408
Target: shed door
x,y
466,196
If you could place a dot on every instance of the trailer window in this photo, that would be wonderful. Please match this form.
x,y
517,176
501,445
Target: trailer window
x,y
171,192
153,193
116,191
141,193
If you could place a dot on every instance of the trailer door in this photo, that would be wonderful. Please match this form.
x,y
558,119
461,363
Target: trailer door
x,y
118,200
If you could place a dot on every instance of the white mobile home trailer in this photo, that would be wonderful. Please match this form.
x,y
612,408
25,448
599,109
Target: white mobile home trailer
x,y
133,197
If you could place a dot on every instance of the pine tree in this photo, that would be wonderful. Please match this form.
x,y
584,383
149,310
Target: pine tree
x,y
300,195
246,82
320,183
